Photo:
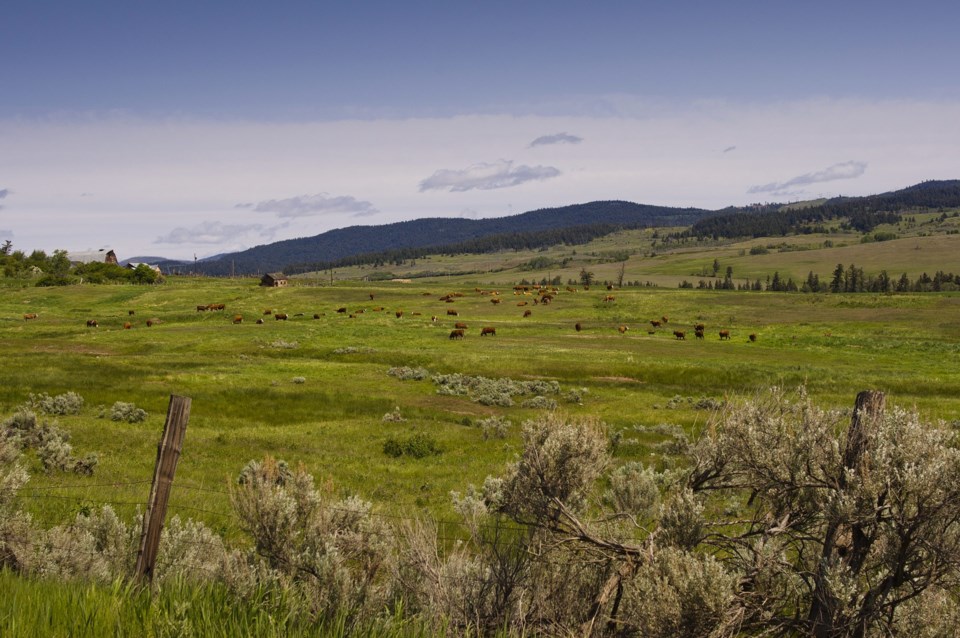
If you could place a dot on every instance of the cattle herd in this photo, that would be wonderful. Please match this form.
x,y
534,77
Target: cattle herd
x,y
538,294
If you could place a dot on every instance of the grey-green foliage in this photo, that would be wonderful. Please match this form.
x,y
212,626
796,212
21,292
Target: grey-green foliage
x,y
494,427
129,412
61,404
487,391
406,373
332,552
539,402
51,443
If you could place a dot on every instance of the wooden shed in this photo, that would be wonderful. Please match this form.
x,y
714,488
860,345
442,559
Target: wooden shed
x,y
273,280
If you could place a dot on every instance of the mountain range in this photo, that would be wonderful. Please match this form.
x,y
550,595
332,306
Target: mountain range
x,y
572,224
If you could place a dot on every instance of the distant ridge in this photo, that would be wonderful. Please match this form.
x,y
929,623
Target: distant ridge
x,y
338,244
572,224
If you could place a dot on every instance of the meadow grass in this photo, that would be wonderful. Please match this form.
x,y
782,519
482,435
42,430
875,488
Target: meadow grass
x,y
314,391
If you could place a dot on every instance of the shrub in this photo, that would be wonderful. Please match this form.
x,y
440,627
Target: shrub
x,y
539,403
418,446
299,380
393,416
128,412
405,373
494,427
62,404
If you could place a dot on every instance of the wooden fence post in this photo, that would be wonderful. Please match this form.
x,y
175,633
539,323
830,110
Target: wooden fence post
x,y
168,453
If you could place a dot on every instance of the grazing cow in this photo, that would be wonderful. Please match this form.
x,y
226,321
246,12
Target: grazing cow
x,y
577,327
609,287
724,334
150,322
453,313
664,319
456,334
342,310
527,313
680,334
399,313
127,325
609,298
131,312
752,337
654,323
522,303
216,306
201,308
487,331
280,316
569,289
378,309
460,325
495,300
698,333
371,296
700,327
29,316
316,316
237,319
92,323
267,312
623,329
434,318
546,299
536,301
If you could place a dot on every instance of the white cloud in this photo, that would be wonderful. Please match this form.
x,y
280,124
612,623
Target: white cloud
x,y
556,138
844,170
500,174
310,205
210,233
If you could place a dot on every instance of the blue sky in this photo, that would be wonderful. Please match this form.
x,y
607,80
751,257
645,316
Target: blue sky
x,y
196,127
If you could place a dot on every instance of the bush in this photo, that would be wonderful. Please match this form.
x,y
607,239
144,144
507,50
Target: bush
x,y
539,403
299,380
394,416
418,446
494,427
405,373
128,412
62,404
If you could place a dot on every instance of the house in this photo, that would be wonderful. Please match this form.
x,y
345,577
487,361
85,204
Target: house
x,y
132,265
273,280
104,255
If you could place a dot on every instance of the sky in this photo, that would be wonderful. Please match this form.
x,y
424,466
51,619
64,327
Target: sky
x,y
182,129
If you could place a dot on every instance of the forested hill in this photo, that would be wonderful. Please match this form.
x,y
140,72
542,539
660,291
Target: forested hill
x,y
860,213
336,245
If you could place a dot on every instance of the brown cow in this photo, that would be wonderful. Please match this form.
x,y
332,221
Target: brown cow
x,y
487,331
127,325
371,296
623,329
577,327
260,321
92,323
434,318
698,333
29,316
131,312
460,325
609,298
280,316
456,334
724,334
752,337
201,308
453,313
495,300
522,303
654,323
342,310
609,287
316,316
680,334
699,327
150,322
527,313
664,319
237,319
399,313
267,312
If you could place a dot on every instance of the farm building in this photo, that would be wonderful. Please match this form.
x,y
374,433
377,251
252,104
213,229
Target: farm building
x,y
273,280
104,255
132,265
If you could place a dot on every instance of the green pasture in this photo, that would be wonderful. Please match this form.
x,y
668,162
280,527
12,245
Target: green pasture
x,y
315,391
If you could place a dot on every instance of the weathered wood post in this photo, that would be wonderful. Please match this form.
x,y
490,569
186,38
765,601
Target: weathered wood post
x,y
168,453
867,410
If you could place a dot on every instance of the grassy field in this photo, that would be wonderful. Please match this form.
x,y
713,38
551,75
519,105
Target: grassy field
x,y
315,391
